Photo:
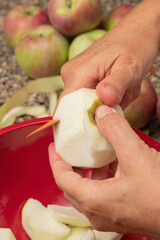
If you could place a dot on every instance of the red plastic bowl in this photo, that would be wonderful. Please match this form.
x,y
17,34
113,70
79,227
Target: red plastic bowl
x,y
25,172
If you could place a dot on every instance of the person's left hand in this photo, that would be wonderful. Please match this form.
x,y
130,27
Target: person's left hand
x,y
129,202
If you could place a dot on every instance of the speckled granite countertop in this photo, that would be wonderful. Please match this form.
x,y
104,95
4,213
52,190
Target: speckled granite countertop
x,y
12,78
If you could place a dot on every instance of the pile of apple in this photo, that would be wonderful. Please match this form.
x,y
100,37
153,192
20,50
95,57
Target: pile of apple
x,y
44,41
41,40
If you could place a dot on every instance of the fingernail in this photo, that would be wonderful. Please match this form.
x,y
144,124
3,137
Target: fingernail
x,y
103,110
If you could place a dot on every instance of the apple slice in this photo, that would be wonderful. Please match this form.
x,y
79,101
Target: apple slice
x,y
69,215
77,233
39,223
77,138
107,235
6,234
89,235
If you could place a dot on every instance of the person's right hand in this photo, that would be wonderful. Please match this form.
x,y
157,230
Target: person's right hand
x,y
129,202
116,64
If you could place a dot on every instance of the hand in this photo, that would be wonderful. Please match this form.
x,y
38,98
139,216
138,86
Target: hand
x,y
129,202
117,63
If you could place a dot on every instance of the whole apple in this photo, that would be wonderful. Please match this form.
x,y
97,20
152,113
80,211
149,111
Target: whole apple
x,y
22,18
158,108
141,110
83,41
42,52
73,17
116,15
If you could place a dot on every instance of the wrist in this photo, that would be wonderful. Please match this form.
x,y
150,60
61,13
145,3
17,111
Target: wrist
x,y
149,11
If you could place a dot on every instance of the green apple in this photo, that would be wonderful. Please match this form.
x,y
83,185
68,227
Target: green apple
x,y
77,233
69,215
77,138
6,234
83,41
107,235
39,223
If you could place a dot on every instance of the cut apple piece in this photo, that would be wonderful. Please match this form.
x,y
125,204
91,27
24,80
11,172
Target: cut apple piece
x,y
77,138
107,235
89,235
69,215
6,234
77,233
39,223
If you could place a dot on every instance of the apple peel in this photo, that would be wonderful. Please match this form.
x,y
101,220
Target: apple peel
x,y
48,84
35,111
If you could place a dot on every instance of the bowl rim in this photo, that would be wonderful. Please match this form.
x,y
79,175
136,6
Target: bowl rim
x,y
23,124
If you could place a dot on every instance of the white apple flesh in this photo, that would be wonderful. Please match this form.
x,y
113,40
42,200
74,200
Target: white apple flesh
x,y
77,233
77,139
107,235
69,215
39,223
89,235
6,234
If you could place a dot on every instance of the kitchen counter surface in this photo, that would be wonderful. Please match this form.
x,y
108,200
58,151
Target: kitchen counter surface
x,y
12,78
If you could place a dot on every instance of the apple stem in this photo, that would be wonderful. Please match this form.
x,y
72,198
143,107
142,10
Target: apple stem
x,y
29,11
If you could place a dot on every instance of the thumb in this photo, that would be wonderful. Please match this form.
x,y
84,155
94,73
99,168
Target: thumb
x,y
118,132
120,78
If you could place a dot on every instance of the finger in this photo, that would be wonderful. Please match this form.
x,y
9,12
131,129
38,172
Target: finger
x,y
123,75
118,132
67,180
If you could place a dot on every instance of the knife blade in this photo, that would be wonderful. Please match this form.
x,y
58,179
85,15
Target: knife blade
x,y
46,125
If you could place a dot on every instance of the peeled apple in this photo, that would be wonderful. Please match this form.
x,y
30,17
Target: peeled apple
x,y
77,138
6,234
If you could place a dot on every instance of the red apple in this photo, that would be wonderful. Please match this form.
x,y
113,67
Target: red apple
x,y
141,110
22,18
158,108
73,17
116,15
42,52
